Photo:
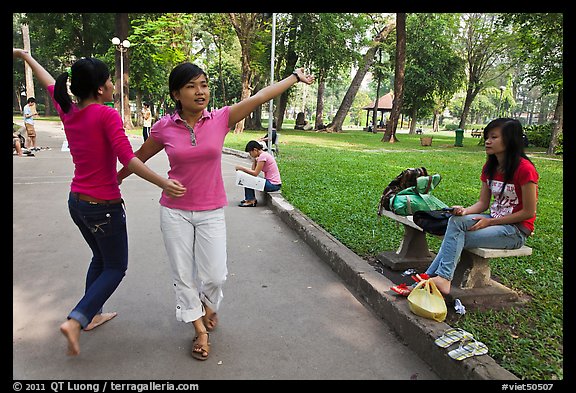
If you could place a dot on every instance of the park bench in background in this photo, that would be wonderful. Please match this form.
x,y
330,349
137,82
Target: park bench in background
x,y
476,133
472,282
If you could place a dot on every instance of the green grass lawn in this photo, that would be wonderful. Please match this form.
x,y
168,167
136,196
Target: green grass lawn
x,y
337,180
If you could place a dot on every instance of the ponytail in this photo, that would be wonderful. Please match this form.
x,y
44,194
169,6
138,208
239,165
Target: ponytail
x,y
61,95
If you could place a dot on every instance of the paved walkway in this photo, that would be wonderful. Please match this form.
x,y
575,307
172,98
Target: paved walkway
x,y
286,314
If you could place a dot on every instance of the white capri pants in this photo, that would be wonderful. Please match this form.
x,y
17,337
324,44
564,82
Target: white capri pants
x,y
196,245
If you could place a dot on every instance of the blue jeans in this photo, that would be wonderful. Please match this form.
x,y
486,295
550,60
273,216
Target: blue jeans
x,y
458,237
104,229
250,194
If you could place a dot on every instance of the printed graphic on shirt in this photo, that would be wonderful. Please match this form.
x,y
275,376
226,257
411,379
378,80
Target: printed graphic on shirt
x,y
503,205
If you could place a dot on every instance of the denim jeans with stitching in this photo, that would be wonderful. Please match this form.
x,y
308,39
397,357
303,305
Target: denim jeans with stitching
x,y
458,237
104,229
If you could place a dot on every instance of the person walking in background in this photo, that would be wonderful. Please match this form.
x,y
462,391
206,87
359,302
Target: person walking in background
x,y
261,162
509,189
194,227
147,120
29,112
97,140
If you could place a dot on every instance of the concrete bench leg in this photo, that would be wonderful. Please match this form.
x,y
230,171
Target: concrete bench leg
x,y
474,287
412,253
472,271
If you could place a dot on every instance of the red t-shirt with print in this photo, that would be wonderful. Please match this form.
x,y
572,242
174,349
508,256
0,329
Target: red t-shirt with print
x,y
511,201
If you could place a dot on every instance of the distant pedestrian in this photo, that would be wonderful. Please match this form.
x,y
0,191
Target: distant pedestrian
x,y
97,141
194,227
147,120
29,112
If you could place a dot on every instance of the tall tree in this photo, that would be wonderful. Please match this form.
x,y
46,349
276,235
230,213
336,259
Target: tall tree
x,y
486,47
246,25
399,68
366,62
434,68
541,37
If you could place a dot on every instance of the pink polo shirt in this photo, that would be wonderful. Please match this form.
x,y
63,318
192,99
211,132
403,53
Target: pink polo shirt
x,y
270,167
97,140
199,167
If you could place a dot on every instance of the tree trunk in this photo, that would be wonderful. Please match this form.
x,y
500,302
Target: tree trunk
x,y
291,59
320,101
245,25
375,111
399,69
27,68
436,121
367,60
558,122
470,94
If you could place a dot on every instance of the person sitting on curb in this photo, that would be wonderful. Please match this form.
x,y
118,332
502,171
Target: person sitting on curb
x,y
261,162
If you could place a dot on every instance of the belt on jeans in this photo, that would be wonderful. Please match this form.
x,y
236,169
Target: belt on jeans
x,y
96,201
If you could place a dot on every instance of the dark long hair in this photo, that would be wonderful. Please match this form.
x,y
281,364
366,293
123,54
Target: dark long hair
x,y
512,132
87,75
180,76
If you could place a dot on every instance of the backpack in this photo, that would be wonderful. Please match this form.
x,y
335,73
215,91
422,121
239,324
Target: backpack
x,y
417,198
407,178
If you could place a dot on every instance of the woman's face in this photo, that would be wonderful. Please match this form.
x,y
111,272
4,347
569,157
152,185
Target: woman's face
x,y
494,144
108,91
195,95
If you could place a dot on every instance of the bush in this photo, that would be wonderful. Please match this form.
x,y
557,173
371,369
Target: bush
x,y
539,135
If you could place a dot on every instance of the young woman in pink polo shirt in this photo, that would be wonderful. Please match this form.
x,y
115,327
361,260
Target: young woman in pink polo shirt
x,y
193,227
97,140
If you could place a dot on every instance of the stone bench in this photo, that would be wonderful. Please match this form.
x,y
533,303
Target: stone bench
x,y
472,282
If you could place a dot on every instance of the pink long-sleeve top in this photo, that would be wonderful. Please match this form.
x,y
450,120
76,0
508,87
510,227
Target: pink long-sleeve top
x,y
97,140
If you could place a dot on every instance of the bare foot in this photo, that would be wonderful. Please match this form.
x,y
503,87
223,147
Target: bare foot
x,y
442,284
210,319
99,319
71,330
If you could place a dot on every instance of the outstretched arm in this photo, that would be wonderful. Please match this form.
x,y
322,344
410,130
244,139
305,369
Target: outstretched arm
x,y
243,108
41,74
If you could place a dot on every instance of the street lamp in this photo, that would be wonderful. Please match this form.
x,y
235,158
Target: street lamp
x,y
271,107
502,88
122,47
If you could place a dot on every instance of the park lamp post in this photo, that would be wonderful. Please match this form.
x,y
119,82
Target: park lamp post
x,y
502,88
271,107
122,47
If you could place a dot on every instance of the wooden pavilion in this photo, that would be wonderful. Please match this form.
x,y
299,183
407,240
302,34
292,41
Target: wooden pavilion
x,y
384,105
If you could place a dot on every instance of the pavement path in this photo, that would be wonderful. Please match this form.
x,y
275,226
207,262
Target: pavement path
x,y
286,314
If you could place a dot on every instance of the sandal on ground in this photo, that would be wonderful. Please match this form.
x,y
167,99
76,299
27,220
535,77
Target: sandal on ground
x,y
200,352
420,277
248,204
452,336
467,349
402,289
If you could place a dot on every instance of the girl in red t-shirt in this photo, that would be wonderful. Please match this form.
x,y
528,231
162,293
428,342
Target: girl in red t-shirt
x,y
509,190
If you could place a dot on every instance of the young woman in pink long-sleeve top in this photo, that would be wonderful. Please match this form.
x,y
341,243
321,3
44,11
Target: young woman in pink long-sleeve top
x,y
97,140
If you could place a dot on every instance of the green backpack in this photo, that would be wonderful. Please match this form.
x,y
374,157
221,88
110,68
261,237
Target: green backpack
x,y
415,198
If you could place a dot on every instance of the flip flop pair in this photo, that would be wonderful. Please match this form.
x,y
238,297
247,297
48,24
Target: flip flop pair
x,y
468,347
